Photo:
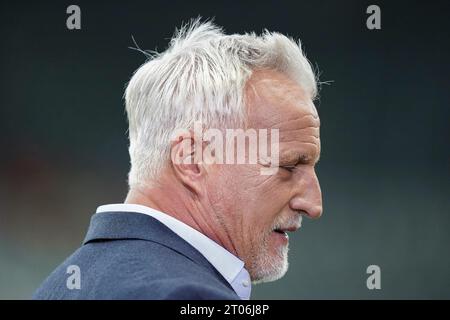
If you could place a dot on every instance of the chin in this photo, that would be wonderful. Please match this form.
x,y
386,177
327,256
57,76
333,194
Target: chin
x,y
271,267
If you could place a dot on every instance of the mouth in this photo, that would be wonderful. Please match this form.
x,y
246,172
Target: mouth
x,y
283,231
280,232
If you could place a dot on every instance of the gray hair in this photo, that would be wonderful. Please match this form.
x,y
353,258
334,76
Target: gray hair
x,y
200,77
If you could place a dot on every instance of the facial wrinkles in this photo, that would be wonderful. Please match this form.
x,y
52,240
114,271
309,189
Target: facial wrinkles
x,y
273,102
211,204
245,223
298,123
202,219
225,212
301,136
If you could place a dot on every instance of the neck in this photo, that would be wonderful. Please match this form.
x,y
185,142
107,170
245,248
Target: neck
x,y
183,206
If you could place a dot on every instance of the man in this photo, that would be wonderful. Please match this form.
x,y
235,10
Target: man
x,y
193,225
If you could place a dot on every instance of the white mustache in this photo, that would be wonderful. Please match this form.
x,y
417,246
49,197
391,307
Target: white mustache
x,y
294,222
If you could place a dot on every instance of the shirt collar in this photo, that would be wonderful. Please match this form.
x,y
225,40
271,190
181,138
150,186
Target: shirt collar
x,y
228,265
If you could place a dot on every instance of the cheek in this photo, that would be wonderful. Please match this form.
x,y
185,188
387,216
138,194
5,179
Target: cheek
x,y
261,201
253,201
231,191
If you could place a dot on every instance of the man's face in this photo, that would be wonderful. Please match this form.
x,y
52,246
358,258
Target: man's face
x,y
249,205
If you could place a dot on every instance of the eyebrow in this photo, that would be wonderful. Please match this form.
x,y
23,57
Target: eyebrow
x,y
302,158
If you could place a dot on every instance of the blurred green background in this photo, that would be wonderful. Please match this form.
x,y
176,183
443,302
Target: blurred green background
x,y
384,168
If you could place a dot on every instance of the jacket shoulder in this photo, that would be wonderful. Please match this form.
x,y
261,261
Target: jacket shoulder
x,y
133,269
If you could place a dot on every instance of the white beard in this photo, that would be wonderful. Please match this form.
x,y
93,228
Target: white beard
x,y
271,267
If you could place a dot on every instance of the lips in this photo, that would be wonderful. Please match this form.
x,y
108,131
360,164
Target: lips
x,y
280,232
281,229
285,230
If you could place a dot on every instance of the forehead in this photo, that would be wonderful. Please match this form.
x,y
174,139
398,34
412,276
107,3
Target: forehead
x,y
275,101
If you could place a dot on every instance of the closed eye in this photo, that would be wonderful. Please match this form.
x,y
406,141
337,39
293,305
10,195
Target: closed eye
x,y
289,168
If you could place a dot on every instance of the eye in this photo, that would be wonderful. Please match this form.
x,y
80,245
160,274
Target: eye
x,y
289,168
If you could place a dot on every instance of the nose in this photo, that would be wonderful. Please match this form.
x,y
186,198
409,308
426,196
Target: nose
x,y
308,197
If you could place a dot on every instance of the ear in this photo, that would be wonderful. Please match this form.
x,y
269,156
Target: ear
x,y
186,158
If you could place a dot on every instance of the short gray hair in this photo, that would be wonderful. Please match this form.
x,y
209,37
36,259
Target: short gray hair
x,y
200,77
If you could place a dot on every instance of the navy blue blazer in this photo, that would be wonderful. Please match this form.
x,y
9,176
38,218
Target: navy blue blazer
x,y
134,256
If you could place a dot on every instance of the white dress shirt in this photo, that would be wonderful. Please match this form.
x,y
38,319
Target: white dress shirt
x,y
228,265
